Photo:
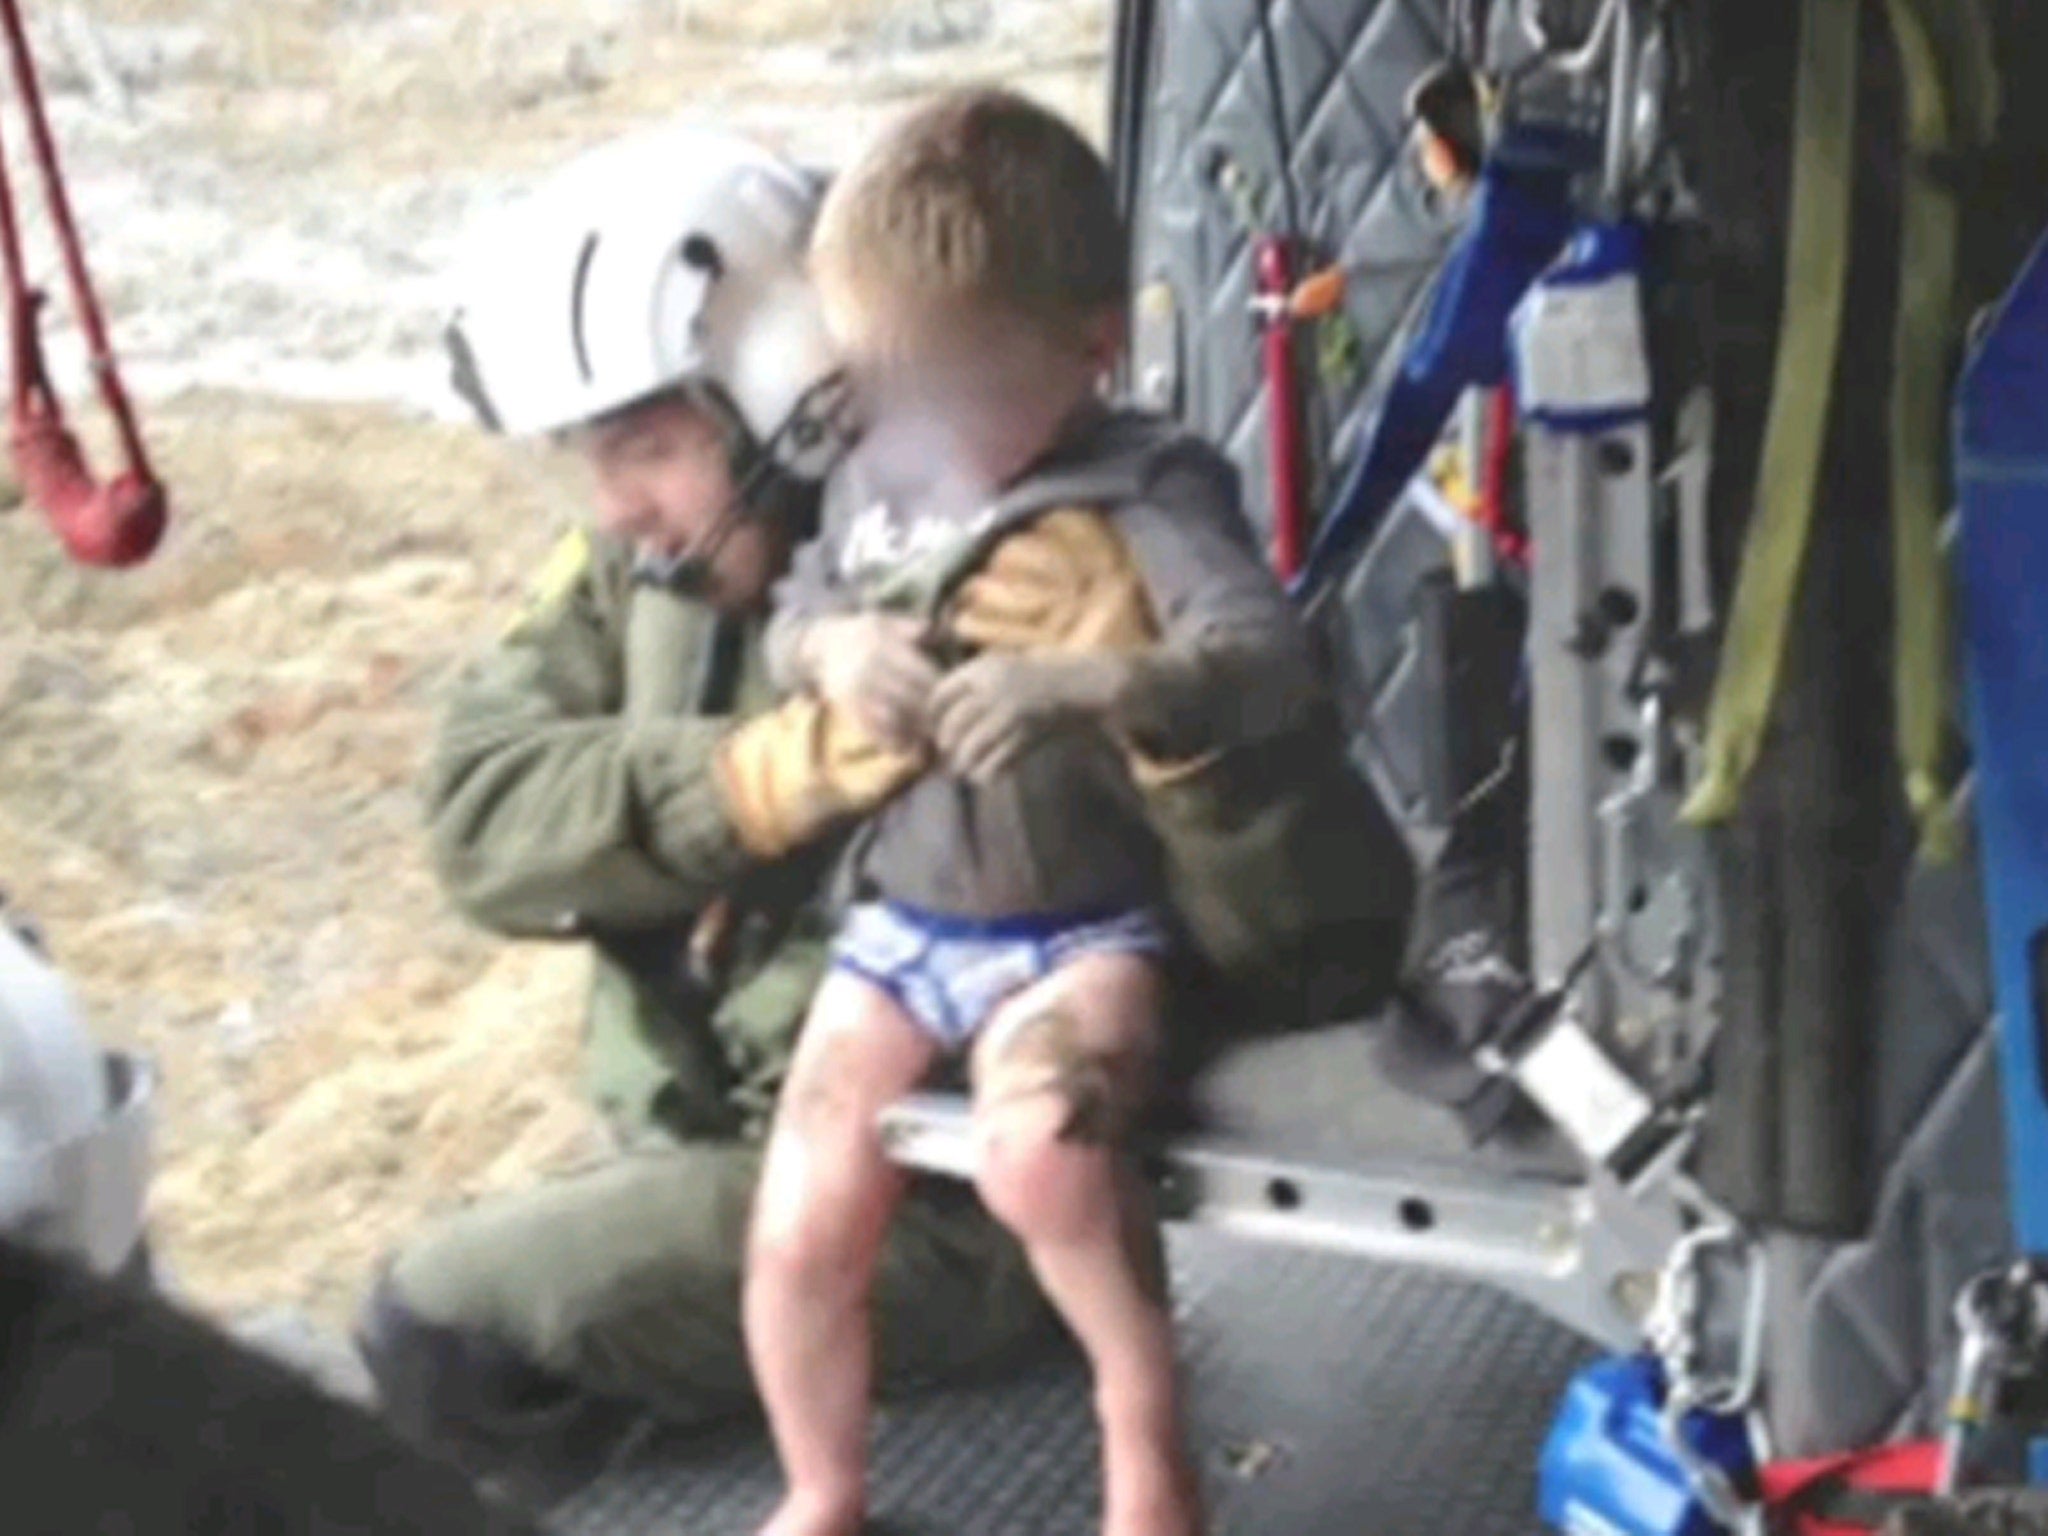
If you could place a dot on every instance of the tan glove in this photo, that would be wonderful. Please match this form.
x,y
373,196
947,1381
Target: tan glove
x,y
1063,586
1064,582
789,776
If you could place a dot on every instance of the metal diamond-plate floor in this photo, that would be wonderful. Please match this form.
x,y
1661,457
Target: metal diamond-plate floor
x,y
1331,1398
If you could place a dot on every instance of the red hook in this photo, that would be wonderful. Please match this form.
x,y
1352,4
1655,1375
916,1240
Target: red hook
x,y
117,522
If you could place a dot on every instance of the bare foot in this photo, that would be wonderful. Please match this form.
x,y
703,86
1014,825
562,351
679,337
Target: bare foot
x,y
803,1514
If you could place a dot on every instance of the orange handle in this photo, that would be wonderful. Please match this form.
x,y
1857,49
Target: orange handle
x,y
1320,293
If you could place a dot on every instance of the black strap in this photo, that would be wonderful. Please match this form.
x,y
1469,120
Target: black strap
x,y
1838,1501
1471,28
723,662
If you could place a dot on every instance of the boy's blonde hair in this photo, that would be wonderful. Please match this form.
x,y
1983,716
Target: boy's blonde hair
x,y
982,199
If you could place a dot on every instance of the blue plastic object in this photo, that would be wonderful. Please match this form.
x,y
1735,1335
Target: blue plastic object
x,y
2002,471
1607,1469
1605,386
1521,216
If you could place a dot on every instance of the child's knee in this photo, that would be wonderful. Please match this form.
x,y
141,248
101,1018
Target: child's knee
x,y
786,1253
1054,1110
822,1200
1041,1185
1051,1128
805,1241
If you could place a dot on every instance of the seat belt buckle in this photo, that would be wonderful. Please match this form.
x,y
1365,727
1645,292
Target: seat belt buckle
x,y
1548,1052
1600,1107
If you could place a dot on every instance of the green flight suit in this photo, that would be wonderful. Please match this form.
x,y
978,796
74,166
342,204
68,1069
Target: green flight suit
x,y
570,796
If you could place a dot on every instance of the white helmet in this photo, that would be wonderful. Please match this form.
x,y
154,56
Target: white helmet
x,y
670,258
74,1122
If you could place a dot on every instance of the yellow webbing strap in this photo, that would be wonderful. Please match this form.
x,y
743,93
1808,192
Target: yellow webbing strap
x,y
1951,95
1944,49
1795,438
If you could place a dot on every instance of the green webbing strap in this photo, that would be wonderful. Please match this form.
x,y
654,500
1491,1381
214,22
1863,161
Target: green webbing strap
x,y
1951,108
1946,59
1816,288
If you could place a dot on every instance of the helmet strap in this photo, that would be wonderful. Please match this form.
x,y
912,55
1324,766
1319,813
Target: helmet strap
x,y
765,489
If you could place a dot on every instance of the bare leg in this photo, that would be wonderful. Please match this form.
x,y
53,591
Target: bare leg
x,y
827,1191
1060,1074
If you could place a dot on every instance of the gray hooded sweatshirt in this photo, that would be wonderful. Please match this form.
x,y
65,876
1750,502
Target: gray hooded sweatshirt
x,y
1062,834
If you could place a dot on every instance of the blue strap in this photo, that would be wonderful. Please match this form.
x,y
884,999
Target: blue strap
x,y
1522,214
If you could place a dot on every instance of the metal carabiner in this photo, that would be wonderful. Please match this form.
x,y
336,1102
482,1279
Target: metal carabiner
x,y
2001,1317
1676,1321
1580,59
1629,48
1674,1329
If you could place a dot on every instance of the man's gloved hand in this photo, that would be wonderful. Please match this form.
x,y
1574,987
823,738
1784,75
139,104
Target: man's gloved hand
x,y
1065,582
871,667
789,776
988,712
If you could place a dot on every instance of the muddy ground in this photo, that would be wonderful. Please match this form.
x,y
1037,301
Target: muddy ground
x,y
207,767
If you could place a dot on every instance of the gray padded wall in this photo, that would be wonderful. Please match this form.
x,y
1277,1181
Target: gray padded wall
x,y
1862,1338
1860,1331
1345,67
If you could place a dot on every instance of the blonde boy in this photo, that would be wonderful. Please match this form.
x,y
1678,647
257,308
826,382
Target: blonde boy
x,y
1008,907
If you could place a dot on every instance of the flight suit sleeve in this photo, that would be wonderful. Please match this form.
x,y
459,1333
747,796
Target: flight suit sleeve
x,y
550,813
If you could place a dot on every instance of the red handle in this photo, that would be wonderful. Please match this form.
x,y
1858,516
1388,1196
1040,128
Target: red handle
x,y
1509,540
1275,277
